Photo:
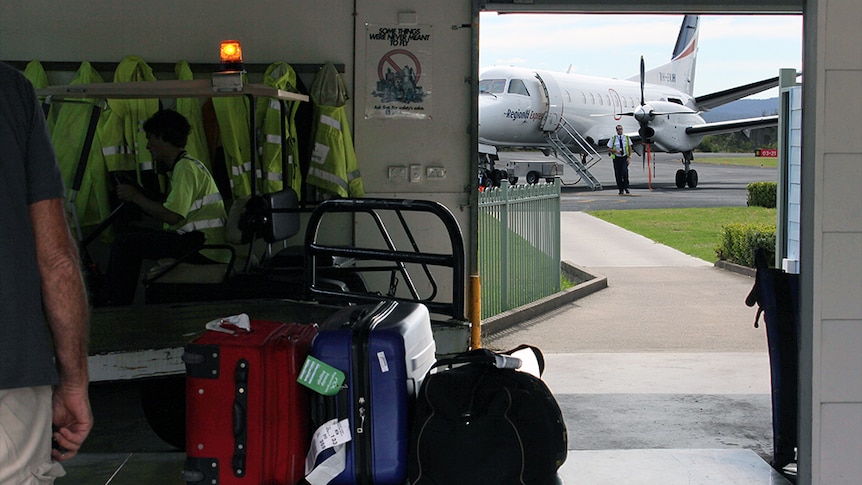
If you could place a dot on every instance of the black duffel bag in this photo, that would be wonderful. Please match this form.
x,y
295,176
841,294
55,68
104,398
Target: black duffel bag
x,y
480,421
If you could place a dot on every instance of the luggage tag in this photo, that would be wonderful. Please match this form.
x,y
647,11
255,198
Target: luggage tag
x,y
320,377
332,434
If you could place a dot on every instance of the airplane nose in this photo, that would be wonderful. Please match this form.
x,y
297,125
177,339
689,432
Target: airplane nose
x,y
489,117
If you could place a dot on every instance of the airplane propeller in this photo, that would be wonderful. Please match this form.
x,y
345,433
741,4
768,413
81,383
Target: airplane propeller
x,y
643,118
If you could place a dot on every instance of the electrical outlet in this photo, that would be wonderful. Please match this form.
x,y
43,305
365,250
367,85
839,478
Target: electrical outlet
x,y
398,173
415,173
435,172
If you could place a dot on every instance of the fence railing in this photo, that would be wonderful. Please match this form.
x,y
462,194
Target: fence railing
x,y
519,245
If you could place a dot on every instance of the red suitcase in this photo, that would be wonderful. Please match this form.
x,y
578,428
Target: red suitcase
x,y
246,415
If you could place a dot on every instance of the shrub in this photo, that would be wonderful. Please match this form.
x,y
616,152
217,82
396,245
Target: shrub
x,y
762,194
740,241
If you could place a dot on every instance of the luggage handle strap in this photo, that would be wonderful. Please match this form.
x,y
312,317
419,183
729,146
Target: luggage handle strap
x,y
500,360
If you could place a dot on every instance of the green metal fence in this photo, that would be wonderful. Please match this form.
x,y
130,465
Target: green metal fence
x,y
519,245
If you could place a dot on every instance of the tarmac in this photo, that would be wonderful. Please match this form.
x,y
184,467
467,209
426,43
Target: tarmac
x,y
661,375
659,371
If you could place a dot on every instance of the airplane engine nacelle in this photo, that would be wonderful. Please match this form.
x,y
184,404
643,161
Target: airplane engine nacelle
x,y
646,133
669,132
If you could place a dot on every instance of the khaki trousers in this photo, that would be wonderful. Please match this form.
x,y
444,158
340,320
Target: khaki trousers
x,y
25,437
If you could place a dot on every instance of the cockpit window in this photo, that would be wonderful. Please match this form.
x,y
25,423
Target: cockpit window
x,y
517,86
495,86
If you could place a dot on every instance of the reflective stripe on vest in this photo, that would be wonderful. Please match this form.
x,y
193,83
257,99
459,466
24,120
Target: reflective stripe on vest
x,y
328,120
198,225
328,177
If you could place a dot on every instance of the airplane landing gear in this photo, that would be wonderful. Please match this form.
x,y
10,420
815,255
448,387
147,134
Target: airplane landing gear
x,y
680,179
684,178
687,175
691,178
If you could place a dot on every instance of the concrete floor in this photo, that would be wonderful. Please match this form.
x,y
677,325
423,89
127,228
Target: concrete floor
x,y
661,377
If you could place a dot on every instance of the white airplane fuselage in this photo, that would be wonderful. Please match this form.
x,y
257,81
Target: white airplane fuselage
x,y
515,115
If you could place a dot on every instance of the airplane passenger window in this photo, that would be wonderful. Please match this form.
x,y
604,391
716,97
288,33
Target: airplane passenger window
x,y
568,97
495,86
601,102
592,98
516,86
584,97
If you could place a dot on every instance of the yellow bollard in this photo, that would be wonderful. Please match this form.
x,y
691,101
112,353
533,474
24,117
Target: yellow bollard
x,y
475,311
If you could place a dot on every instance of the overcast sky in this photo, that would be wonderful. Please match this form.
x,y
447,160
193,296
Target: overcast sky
x,y
732,50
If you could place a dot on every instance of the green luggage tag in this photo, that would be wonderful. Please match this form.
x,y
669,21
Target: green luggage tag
x,y
320,377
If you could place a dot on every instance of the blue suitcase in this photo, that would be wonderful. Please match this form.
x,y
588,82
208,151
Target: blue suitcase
x,y
385,350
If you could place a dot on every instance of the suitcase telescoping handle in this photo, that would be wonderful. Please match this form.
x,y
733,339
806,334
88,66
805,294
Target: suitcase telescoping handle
x,y
240,418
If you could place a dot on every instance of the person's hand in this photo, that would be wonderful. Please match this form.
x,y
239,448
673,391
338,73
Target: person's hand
x,y
73,420
128,193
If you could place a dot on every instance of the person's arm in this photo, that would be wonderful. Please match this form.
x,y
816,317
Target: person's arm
x,y
65,302
151,207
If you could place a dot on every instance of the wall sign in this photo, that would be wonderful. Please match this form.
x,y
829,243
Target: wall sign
x,y
398,70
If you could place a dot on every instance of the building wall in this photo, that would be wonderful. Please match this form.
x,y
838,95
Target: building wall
x,y
293,31
831,364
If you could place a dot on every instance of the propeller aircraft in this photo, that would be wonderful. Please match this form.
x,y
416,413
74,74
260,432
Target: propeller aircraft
x,y
574,115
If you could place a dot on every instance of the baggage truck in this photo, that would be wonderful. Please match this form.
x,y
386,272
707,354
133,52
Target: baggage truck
x,y
532,171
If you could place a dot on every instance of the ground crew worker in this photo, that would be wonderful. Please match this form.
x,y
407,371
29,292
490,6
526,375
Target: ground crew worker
x,y
193,213
620,149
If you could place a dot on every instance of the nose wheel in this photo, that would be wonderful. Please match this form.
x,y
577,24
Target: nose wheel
x,y
684,178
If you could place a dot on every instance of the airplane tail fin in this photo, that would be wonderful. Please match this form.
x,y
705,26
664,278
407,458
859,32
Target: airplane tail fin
x,y
679,73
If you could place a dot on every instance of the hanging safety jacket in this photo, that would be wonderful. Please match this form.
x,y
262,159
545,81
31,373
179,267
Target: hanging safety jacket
x,y
92,203
35,73
194,195
272,175
233,121
191,108
333,168
123,137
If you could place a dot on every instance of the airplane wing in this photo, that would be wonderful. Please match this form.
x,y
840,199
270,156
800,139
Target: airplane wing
x,y
714,100
731,126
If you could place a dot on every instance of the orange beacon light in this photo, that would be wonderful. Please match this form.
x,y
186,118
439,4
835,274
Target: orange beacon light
x,y
230,53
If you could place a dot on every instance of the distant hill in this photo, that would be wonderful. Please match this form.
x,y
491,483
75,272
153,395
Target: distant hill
x,y
743,108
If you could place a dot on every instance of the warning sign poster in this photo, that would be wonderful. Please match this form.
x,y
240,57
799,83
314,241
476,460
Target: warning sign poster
x,y
398,67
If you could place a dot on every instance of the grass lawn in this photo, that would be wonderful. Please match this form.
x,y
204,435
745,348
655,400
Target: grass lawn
x,y
766,162
695,232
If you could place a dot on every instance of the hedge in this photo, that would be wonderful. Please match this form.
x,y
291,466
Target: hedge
x,y
740,241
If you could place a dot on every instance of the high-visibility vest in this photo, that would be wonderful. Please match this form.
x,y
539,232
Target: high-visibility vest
x,y
272,174
196,146
334,168
123,138
92,202
614,142
195,197
233,115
